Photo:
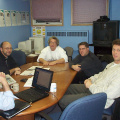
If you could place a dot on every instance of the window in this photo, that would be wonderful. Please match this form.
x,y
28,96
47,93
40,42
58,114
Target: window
x,y
84,12
47,12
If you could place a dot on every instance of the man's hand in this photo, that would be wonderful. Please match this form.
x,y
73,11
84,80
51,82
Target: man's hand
x,y
45,63
76,67
17,71
87,83
52,63
2,77
4,82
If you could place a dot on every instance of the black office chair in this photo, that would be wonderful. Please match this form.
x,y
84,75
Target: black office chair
x,y
114,111
19,57
69,52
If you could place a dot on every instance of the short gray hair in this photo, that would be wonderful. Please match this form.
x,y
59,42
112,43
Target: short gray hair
x,y
55,38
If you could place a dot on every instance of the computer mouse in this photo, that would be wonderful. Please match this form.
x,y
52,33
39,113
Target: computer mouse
x,y
23,80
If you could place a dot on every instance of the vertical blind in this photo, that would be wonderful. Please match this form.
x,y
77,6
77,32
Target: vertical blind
x,y
87,11
47,10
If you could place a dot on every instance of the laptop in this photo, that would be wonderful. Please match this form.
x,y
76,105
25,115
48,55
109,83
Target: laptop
x,y
41,86
19,107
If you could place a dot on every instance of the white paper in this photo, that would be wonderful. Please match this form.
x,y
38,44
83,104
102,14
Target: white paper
x,y
31,70
28,72
27,18
7,18
32,55
18,15
23,18
2,22
33,67
29,82
47,68
13,17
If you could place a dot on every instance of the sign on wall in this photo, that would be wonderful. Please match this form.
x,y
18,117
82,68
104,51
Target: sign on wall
x,y
2,22
38,31
13,18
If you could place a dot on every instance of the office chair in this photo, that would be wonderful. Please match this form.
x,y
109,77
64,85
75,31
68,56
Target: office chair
x,y
69,52
87,108
19,57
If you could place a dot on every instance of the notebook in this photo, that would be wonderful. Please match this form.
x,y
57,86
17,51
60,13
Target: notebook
x,y
19,107
41,86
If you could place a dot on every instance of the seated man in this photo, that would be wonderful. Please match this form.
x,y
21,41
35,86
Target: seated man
x,y
107,81
52,54
86,63
7,63
6,97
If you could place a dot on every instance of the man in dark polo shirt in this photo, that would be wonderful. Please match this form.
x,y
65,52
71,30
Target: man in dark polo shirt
x,y
7,63
86,63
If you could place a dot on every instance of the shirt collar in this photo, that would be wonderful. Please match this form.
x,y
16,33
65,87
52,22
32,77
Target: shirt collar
x,y
2,56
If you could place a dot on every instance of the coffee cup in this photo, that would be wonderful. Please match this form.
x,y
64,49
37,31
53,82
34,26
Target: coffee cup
x,y
53,87
15,87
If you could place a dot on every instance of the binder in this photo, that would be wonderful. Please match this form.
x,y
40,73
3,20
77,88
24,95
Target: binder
x,y
19,107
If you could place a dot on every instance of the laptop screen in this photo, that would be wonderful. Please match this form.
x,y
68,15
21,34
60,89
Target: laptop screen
x,y
42,79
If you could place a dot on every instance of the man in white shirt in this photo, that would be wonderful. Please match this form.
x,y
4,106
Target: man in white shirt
x,y
107,81
52,54
6,97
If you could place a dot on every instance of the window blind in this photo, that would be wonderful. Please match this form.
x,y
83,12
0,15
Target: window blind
x,y
47,10
87,11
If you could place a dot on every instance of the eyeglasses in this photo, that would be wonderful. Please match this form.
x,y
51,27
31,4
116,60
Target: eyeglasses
x,y
8,48
53,43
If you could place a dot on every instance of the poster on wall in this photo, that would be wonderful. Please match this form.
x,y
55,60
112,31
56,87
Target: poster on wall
x,y
2,22
18,16
23,19
7,18
38,31
13,17
27,18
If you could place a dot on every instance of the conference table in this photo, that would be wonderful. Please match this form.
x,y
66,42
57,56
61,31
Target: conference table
x,y
62,76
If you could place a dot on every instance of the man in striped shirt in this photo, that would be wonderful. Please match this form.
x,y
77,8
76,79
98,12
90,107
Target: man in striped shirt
x,y
107,81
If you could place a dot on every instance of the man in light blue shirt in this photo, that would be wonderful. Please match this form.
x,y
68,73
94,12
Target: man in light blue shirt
x,y
6,96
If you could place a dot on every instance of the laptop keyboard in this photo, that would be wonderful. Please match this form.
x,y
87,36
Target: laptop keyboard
x,y
31,95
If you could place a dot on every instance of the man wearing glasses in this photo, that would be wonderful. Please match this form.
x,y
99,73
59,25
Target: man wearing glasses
x,y
7,63
86,63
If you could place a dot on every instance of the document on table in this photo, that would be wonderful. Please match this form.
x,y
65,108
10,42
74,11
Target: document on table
x,y
29,82
33,67
28,72
53,87
32,55
31,70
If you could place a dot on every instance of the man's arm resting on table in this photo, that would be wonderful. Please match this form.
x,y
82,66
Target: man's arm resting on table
x,y
62,60
16,71
43,61
76,67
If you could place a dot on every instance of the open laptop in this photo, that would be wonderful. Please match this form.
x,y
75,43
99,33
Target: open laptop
x,y
41,86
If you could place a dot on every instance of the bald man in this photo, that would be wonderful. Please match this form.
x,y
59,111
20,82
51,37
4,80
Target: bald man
x,y
7,63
